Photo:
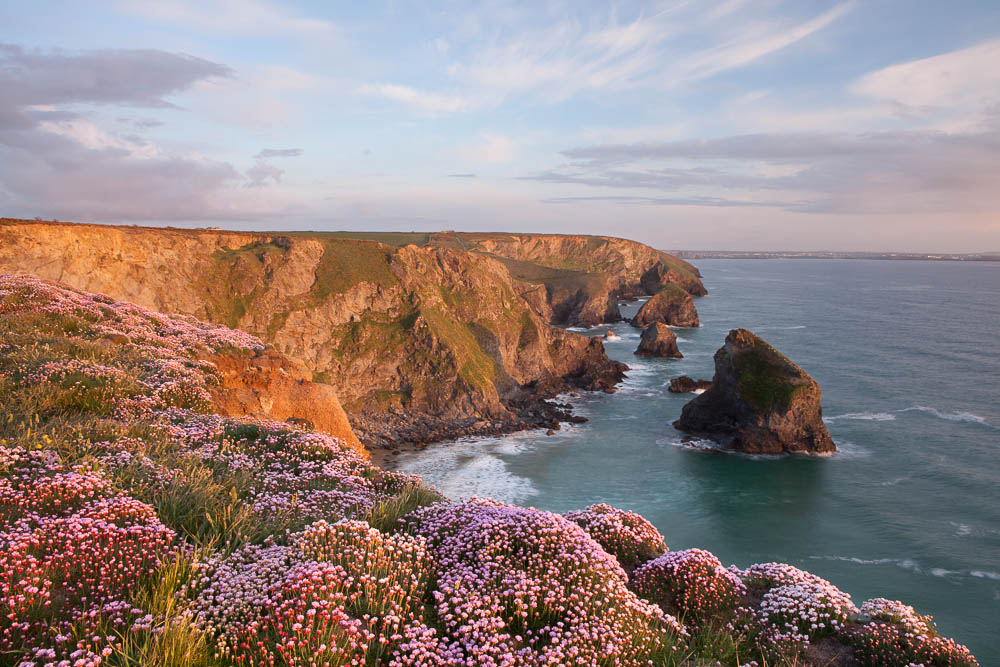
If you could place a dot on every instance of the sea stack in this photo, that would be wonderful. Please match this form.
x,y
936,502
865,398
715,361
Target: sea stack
x,y
672,305
760,402
658,341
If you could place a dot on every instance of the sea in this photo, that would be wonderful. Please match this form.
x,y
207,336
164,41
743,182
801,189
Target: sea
x,y
907,356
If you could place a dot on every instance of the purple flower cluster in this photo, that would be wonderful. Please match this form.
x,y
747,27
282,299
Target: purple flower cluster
x,y
692,583
796,607
291,473
337,594
100,317
71,552
518,586
897,636
625,535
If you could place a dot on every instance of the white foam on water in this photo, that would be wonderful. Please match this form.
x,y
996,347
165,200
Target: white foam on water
x,y
863,416
471,467
699,391
681,339
909,564
941,572
849,450
966,417
962,529
905,563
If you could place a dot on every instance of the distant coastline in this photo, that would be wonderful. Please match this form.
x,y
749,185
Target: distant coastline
x,y
807,254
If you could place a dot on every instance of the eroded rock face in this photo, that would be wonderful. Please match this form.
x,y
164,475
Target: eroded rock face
x,y
686,385
272,386
584,277
658,341
671,305
760,402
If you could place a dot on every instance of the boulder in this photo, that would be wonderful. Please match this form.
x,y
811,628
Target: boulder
x,y
658,341
686,385
671,305
760,402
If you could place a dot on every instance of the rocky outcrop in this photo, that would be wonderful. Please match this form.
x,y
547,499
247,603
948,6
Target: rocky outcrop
x,y
272,386
671,305
434,340
760,402
584,277
658,341
687,385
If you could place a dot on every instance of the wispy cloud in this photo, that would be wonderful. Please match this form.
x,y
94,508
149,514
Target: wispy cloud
x,y
278,152
959,85
426,102
555,56
240,17
753,44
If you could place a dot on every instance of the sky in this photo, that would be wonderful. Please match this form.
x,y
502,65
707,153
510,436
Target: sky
x,y
686,124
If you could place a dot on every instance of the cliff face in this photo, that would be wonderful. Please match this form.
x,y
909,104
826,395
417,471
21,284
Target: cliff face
x,y
420,343
759,402
584,276
270,385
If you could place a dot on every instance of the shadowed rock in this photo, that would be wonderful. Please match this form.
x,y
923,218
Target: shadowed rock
x,y
685,385
760,402
658,341
671,305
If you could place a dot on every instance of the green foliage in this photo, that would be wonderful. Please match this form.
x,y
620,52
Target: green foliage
x,y
386,515
346,263
763,383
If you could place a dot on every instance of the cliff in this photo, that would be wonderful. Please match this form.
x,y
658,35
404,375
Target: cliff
x,y
584,276
760,402
570,280
420,342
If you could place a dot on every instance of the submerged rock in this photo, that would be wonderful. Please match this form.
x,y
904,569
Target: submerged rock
x,y
671,305
658,341
685,385
760,402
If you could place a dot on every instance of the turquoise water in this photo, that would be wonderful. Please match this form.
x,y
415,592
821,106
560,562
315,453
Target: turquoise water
x,y
909,509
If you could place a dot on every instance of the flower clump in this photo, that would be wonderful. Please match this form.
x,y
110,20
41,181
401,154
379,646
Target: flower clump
x,y
337,594
897,636
625,535
71,553
693,583
519,586
290,474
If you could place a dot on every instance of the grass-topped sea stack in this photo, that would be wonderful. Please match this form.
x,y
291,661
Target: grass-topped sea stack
x,y
760,402
671,305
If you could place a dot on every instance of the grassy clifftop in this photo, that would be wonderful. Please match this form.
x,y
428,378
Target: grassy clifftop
x,y
139,528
